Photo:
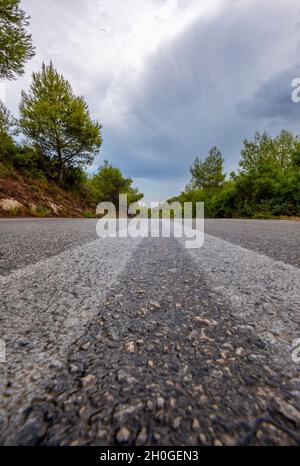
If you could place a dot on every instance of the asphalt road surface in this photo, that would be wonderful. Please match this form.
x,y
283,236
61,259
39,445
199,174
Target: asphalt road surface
x,y
145,342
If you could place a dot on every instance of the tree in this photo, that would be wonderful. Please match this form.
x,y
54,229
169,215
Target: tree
x,y
6,121
108,183
58,123
208,173
267,152
268,179
15,43
7,130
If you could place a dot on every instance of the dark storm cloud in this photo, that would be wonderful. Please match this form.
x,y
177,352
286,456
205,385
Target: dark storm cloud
x,y
273,98
196,91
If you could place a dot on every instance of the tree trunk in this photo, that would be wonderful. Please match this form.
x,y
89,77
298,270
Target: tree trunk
x,y
60,166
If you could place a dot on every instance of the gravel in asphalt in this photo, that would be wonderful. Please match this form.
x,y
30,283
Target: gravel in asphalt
x,y
264,292
158,353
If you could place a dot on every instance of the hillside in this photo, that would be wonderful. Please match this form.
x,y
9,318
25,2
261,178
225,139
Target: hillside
x,y
22,196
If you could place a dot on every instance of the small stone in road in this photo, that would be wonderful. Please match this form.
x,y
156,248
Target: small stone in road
x,y
151,364
55,364
239,351
160,402
228,440
177,422
149,405
202,438
101,433
203,336
218,443
121,375
123,410
194,335
142,437
129,347
178,305
83,411
89,381
123,435
155,304
86,345
76,443
35,377
195,424
172,402
206,322
73,368
288,410
157,436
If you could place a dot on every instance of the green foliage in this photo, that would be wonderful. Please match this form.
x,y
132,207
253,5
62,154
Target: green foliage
x,y
42,211
5,171
108,183
58,123
266,151
267,185
7,122
74,178
14,211
89,214
15,43
208,173
34,187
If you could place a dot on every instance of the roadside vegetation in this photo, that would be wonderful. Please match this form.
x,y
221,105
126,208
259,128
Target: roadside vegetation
x,y
267,184
44,154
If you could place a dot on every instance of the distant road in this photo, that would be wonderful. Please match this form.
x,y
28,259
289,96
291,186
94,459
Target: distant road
x,y
26,241
145,342
279,239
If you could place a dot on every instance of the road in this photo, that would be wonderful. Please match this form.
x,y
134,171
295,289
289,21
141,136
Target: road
x,y
145,342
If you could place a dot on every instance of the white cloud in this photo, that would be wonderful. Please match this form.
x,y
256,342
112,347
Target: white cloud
x,y
3,92
107,41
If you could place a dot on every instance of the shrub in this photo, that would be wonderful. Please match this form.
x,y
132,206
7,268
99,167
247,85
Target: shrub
x,y
42,211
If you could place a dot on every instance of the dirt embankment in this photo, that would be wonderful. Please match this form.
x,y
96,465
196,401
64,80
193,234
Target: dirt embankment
x,y
21,197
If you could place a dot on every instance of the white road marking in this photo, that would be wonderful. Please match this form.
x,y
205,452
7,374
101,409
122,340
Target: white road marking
x,y
260,290
56,296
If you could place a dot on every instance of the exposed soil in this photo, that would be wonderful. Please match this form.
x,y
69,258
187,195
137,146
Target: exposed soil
x,y
20,197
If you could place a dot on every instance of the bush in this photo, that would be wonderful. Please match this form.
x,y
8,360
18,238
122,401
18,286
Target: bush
x,y
42,211
267,186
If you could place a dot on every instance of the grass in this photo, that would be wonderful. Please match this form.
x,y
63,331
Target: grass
x,y
89,214
42,211
34,187
14,211
6,171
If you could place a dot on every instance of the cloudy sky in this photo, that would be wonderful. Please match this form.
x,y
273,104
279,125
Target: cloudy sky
x,y
168,79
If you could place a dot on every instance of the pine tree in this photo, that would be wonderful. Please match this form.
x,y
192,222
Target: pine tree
x,y
208,173
58,123
15,43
